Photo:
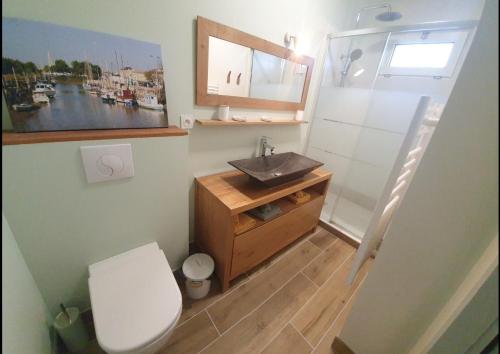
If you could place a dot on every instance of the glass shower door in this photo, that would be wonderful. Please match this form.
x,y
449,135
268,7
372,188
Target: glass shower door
x,y
357,130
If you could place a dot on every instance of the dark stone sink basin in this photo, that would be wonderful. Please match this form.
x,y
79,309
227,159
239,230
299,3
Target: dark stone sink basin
x,y
276,169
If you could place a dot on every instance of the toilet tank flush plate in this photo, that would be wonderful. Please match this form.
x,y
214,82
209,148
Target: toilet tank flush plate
x,y
107,162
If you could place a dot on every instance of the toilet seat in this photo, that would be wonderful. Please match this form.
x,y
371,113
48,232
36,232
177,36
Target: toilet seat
x,y
135,299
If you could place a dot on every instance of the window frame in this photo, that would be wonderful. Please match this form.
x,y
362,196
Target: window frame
x,y
458,38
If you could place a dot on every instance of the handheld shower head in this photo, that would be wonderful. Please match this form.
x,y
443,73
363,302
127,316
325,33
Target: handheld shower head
x,y
355,54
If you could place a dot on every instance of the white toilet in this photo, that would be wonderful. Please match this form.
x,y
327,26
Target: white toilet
x,y
135,299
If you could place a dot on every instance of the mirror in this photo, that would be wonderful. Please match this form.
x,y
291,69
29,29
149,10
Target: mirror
x,y
235,70
240,70
276,78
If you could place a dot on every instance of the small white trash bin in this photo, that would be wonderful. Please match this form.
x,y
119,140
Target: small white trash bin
x,y
197,268
72,332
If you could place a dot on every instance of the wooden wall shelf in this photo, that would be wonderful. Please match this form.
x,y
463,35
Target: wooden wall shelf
x,y
214,122
222,199
11,138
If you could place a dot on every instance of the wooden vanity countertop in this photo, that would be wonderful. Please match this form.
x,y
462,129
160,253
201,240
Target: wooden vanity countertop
x,y
239,193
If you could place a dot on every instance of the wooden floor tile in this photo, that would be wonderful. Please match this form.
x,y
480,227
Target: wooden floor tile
x,y
289,341
255,331
254,292
192,307
313,320
325,345
328,262
192,336
322,238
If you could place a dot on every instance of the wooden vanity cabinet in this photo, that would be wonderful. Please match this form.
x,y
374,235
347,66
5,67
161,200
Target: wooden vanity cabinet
x,y
222,198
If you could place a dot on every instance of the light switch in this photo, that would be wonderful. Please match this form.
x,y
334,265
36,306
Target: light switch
x,y
107,162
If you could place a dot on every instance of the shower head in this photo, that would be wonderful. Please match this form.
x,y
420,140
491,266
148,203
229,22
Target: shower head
x,y
355,55
389,16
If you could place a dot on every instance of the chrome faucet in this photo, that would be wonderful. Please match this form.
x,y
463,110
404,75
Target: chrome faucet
x,y
264,145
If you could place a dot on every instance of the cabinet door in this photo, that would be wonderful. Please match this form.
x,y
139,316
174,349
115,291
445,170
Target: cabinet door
x,y
254,246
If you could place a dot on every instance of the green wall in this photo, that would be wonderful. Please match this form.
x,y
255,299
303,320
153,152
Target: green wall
x,y
62,224
25,318
479,314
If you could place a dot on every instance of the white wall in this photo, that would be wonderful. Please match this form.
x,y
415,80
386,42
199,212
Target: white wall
x,y
448,217
414,11
61,223
25,318
479,314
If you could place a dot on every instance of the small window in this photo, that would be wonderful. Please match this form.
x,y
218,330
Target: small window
x,y
428,55
423,53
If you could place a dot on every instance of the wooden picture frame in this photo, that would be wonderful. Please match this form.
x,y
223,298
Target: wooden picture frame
x,y
207,28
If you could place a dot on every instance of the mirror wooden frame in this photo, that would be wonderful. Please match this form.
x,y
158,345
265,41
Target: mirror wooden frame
x,y
207,28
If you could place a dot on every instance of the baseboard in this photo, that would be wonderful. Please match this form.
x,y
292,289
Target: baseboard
x,y
344,237
339,347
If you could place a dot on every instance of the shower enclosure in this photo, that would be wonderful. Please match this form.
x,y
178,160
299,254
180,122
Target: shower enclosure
x,y
373,81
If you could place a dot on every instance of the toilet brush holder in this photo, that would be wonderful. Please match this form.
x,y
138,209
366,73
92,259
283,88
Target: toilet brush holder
x,y
71,329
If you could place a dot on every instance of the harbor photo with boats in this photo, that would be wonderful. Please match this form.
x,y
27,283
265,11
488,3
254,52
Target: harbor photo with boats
x,y
63,78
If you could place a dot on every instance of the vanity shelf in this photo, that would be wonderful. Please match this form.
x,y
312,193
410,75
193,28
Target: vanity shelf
x,y
286,206
220,199
214,122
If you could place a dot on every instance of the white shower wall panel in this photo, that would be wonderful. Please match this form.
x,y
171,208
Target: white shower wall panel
x,y
332,162
391,110
364,183
377,147
338,138
348,105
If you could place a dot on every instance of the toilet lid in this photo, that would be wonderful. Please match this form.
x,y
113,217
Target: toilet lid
x,y
134,304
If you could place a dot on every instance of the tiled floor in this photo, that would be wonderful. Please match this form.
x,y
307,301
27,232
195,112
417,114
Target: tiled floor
x,y
296,302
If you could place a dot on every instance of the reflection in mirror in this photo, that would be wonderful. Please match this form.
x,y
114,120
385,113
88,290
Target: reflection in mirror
x,y
236,70
229,68
276,78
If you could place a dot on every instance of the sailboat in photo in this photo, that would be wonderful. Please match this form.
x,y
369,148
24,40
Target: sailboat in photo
x,y
127,96
108,96
44,88
49,62
88,74
23,107
150,101
40,97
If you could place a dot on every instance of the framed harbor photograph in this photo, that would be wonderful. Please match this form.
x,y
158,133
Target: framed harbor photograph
x,y
64,78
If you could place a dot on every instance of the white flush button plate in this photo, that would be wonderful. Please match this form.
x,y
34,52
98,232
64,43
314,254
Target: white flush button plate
x,y
107,162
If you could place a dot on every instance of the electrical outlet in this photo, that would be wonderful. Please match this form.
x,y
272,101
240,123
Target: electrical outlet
x,y
187,121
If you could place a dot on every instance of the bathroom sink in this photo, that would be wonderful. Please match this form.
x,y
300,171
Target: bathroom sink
x,y
276,169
